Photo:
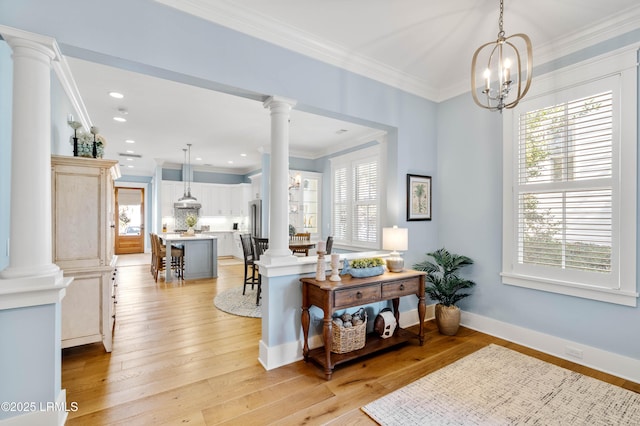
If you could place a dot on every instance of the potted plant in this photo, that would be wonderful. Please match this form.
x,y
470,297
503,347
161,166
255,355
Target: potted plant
x,y
445,286
364,267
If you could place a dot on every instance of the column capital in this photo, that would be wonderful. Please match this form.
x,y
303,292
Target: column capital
x,y
278,101
18,38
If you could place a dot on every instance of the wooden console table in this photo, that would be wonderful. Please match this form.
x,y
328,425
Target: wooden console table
x,y
331,296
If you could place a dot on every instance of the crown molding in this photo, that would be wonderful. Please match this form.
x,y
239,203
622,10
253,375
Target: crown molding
x,y
258,25
60,67
608,28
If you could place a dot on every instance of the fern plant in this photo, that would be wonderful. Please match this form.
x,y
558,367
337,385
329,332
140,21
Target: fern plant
x,y
445,284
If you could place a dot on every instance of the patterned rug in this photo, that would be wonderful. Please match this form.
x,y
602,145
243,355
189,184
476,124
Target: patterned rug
x,y
233,302
498,386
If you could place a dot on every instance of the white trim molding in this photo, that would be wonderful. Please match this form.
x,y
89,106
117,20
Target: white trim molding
x,y
598,359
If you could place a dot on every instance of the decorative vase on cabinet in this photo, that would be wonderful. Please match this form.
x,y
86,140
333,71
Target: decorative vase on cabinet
x,y
83,230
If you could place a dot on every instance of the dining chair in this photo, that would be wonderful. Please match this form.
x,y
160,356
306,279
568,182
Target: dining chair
x,y
329,244
301,236
250,270
261,245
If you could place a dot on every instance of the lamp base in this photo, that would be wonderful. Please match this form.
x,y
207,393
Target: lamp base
x,y
395,263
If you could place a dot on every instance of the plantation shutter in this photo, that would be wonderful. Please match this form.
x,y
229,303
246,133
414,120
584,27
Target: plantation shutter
x,y
356,199
340,204
365,208
564,185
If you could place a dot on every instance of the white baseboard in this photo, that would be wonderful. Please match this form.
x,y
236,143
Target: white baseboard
x,y
42,413
598,359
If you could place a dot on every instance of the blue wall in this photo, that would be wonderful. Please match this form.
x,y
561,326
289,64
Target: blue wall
x,y
457,143
470,184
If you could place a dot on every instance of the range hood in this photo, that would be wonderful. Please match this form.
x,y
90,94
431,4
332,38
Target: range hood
x,y
187,201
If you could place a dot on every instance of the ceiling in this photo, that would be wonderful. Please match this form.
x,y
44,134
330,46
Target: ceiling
x,y
421,46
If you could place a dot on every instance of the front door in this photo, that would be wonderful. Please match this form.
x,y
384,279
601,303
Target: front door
x,y
130,229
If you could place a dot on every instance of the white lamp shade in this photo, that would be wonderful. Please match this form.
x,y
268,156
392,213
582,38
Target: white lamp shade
x,y
395,239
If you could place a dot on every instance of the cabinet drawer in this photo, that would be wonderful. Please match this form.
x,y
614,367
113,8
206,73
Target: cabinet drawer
x,y
356,296
400,288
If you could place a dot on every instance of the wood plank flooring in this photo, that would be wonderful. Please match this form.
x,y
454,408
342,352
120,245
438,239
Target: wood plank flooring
x,y
178,360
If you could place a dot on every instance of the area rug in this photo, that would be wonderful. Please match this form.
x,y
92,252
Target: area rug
x,y
499,386
233,302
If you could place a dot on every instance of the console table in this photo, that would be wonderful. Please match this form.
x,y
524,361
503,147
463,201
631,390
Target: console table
x,y
331,296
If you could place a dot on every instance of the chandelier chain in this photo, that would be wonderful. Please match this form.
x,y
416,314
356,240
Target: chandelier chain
x,y
500,21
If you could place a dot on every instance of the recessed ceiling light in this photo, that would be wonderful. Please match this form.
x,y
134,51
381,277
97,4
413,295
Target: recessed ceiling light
x,y
243,155
130,151
129,159
229,162
120,119
198,159
130,141
116,95
130,166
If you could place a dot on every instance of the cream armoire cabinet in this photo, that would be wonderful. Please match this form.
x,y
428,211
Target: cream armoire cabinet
x,y
83,224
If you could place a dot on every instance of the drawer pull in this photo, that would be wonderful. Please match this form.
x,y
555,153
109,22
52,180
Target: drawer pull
x,y
401,286
358,295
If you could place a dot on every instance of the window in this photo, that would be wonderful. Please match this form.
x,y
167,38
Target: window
x,y
570,185
356,198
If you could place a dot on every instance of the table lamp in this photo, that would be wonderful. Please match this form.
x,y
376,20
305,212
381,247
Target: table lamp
x,y
395,239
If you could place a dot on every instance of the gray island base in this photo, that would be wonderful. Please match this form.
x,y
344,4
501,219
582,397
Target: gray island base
x,y
200,255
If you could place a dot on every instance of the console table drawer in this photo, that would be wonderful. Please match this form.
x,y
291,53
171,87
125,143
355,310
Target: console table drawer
x,y
399,288
356,296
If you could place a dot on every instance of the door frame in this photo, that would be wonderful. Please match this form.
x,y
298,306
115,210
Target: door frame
x,y
147,210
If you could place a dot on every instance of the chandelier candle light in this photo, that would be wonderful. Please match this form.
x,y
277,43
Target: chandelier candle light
x,y
501,56
395,239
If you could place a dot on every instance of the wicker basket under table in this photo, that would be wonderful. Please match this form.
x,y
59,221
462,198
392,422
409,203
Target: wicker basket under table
x,y
347,339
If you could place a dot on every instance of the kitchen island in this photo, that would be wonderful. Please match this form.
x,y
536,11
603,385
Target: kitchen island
x,y
200,255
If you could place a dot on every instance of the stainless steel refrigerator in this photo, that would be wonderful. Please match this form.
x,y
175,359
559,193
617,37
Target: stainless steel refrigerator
x,y
255,218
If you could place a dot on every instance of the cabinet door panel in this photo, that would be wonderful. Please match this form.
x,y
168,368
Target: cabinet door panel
x,y
81,308
78,243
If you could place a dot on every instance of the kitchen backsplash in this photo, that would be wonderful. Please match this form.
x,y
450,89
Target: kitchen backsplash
x,y
215,223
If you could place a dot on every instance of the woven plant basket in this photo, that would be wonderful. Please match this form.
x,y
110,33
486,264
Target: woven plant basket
x,y
347,339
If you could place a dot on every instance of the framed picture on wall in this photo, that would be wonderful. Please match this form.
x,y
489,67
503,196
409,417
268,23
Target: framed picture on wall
x,y
418,197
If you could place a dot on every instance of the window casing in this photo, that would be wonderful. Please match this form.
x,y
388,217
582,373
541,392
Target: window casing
x,y
356,198
570,183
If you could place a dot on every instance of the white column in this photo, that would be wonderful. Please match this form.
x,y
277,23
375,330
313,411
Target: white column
x,y
30,233
278,251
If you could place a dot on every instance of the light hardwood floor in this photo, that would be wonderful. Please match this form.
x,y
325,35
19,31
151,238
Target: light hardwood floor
x,y
178,360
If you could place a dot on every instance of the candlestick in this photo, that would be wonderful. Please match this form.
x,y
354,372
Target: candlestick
x,y
335,263
322,246
320,267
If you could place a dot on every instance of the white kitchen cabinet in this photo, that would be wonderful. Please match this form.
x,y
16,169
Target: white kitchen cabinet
x,y
221,200
225,243
240,197
171,192
83,227
238,252
216,199
256,187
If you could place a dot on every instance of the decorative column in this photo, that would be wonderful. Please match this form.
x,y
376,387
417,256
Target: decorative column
x,y
278,251
31,287
30,233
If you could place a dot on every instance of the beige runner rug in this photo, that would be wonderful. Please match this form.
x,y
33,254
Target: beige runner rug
x,y
499,386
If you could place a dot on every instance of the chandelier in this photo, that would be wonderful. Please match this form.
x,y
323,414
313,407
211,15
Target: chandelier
x,y
504,82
